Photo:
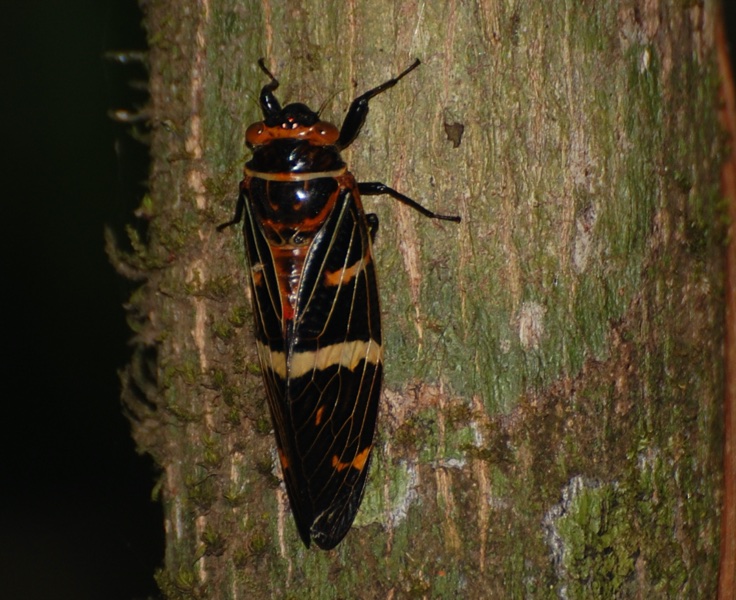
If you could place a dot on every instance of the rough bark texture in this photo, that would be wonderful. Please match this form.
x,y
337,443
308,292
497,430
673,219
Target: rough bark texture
x,y
727,112
551,419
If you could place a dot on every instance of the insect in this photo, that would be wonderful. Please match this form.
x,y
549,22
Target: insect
x,y
315,300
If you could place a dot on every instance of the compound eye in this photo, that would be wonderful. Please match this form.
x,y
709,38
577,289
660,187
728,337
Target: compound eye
x,y
255,135
325,133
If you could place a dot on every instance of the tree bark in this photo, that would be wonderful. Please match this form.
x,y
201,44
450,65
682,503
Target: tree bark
x,y
550,423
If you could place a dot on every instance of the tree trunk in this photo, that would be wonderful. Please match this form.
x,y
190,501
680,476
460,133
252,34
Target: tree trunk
x,y
550,423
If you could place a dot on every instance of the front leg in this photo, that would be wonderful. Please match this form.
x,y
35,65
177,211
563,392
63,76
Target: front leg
x,y
358,111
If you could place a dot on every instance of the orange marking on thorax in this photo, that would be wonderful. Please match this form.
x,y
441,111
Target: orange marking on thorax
x,y
357,463
319,134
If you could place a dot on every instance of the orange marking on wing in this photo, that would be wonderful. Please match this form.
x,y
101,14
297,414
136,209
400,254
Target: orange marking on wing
x,y
357,463
318,418
257,275
284,460
346,275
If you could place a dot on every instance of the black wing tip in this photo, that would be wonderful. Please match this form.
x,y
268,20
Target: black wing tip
x,y
325,534
324,540
330,528
328,540
303,533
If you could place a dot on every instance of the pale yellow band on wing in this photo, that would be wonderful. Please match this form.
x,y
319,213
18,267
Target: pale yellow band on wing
x,y
344,354
289,176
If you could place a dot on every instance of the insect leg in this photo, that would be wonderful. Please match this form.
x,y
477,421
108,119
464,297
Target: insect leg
x,y
375,188
239,208
269,104
358,111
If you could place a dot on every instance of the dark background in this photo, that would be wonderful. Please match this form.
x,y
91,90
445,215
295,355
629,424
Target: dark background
x,y
76,516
